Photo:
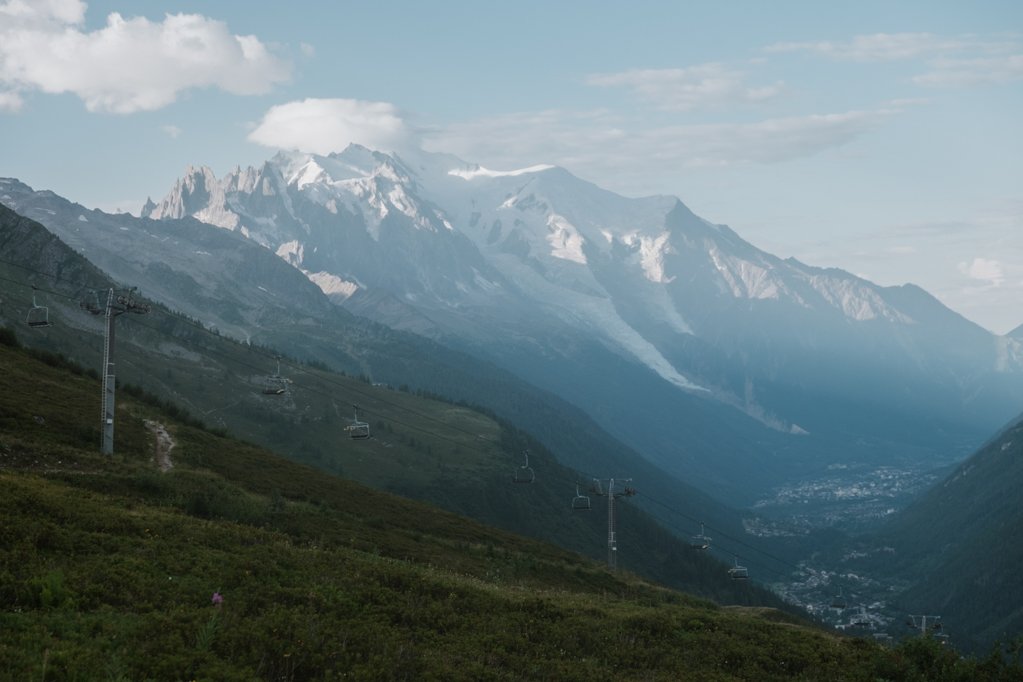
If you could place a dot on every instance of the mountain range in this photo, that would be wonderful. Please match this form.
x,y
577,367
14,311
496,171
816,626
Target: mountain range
x,y
449,455
705,353
723,365
249,294
688,362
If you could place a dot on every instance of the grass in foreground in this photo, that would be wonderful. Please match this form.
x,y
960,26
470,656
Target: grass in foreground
x,y
108,569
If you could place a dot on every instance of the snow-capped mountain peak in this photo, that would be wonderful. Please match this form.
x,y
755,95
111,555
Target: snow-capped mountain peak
x,y
491,253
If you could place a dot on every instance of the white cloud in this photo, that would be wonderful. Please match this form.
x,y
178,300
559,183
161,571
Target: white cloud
x,y
131,64
171,130
323,126
876,47
985,270
609,149
771,140
11,101
307,49
952,62
695,87
40,13
978,71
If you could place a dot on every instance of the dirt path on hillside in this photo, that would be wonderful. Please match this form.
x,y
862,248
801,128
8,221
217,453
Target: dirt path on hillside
x,y
164,444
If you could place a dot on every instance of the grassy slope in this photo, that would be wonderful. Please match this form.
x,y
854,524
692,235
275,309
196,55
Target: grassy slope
x,y
295,317
961,545
219,380
449,456
107,567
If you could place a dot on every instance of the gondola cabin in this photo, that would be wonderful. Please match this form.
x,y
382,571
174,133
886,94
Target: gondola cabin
x,y
700,541
525,473
38,315
275,384
357,430
580,502
738,572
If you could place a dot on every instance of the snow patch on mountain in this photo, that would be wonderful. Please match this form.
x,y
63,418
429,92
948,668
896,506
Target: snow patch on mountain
x,y
308,174
652,250
566,242
481,172
856,300
594,313
747,279
292,252
332,285
445,235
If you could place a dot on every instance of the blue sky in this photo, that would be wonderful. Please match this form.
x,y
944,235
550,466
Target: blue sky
x,y
880,137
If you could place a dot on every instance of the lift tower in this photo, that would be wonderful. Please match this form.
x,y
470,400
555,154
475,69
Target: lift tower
x,y
612,531
116,304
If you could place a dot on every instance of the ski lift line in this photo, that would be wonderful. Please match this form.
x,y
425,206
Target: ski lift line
x,y
343,389
256,350
51,292
720,533
350,389
56,278
237,361
293,366
718,552
299,368
234,359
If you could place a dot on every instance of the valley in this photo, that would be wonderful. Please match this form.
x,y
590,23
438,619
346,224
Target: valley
x,y
802,535
521,341
847,497
312,576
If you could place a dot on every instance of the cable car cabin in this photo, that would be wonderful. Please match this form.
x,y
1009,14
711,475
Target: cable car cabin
x,y
861,621
275,385
700,541
580,502
525,473
839,602
358,431
738,572
38,315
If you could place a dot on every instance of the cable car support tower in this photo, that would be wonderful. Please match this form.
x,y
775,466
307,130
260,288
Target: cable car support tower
x,y
612,531
117,304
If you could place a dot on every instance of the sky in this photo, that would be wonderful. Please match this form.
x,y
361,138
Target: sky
x,y
883,138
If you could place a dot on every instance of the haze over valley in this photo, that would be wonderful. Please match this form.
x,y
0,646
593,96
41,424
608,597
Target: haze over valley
x,y
526,315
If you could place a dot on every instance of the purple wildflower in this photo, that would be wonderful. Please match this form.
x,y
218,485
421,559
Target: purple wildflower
x,y
218,599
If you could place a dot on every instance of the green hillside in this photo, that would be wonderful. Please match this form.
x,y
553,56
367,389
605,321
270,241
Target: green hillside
x,y
952,555
294,317
109,567
959,548
435,451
